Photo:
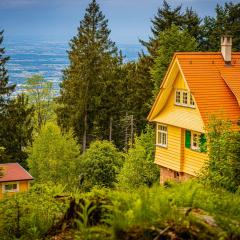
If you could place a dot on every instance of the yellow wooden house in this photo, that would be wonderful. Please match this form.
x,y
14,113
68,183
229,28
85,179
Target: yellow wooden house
x,y
15,179
196,86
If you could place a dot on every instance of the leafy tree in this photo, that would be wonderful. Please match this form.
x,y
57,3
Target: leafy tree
x,y
170,41
226,22
54,157
139,168
93,57
100,165
223,167
40,92
16,139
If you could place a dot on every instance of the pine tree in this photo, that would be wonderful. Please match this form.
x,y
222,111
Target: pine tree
x,y
170,41
227,21
5,88
16,135
164,19
86,80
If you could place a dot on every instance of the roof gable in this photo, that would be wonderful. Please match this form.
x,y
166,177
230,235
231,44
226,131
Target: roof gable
x,y
213,84
14,172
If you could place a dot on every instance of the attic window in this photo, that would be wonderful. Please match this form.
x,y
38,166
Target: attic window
x,y
178,97
184,98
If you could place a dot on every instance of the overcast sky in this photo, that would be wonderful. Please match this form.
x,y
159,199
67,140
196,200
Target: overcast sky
x,y
57,20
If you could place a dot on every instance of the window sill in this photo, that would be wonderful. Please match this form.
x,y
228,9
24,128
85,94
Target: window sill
x,y
183,105
158,145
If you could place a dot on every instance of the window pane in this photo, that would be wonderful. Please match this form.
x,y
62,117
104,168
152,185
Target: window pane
x,y
185,97
178,97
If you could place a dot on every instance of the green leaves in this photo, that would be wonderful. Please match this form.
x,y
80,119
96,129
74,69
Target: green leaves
x,y
54,157
100,165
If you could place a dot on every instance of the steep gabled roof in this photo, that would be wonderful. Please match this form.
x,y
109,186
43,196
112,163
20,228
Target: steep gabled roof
x,y
14,172
214,85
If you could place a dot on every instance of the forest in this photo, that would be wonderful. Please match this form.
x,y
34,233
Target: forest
x,y
91,150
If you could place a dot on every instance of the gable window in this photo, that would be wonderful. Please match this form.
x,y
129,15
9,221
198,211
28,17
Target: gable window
x,y
195,141
162,135
185,98
178,97
192,103
10,187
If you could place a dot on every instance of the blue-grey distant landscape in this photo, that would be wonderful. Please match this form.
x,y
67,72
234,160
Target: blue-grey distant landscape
x,y
47,59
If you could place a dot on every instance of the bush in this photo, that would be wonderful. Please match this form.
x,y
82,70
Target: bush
x,y
139,168
223,167
30,215
100,165
55,157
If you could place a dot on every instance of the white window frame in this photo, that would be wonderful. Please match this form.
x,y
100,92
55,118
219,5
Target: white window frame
x,y
9,183
197,147
162,133
185,92
192,101
180,97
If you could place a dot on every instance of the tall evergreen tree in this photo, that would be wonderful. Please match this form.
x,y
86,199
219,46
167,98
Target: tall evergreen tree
x,y
227,21
5,88
164,19
15,117
86,80
170,41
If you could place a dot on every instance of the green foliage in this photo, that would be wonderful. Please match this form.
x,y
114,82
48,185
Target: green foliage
x,y
226,22
89,82
100,165
223,167
170,41
30,215
139,168
54,157
40,92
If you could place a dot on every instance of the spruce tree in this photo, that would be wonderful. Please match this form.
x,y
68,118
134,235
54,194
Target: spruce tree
x,y
93,57
5,88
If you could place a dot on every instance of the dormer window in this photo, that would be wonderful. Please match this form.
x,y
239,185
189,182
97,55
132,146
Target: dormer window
x,y
184,98
192,103
178,97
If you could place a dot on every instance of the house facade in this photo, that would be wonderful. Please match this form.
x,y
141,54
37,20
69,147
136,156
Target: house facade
x,y
15,179
197,86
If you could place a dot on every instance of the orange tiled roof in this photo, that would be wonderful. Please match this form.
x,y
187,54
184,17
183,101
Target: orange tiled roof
x,y
215,86
14,172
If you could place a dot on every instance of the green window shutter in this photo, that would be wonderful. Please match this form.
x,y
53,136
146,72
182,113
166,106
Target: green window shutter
x,y
203,140
187,139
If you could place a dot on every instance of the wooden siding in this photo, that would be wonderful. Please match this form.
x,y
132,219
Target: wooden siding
x,y
170,157
193,161
180,116
23,187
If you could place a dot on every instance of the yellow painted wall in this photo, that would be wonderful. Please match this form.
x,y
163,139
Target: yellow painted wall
x,y
179,118
170,157
23,187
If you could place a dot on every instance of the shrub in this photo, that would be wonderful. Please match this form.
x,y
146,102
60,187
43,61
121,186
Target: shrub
x,y
223,167
139,167
55,157
100,165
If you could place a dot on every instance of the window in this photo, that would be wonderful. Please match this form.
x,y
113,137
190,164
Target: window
x,y
192,103
195,141
11,187
178,97
162,135
185,98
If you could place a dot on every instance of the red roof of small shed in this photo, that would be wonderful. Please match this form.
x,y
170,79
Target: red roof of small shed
x,y
14,172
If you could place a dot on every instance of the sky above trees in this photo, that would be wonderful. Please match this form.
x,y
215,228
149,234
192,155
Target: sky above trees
x,y
57,20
